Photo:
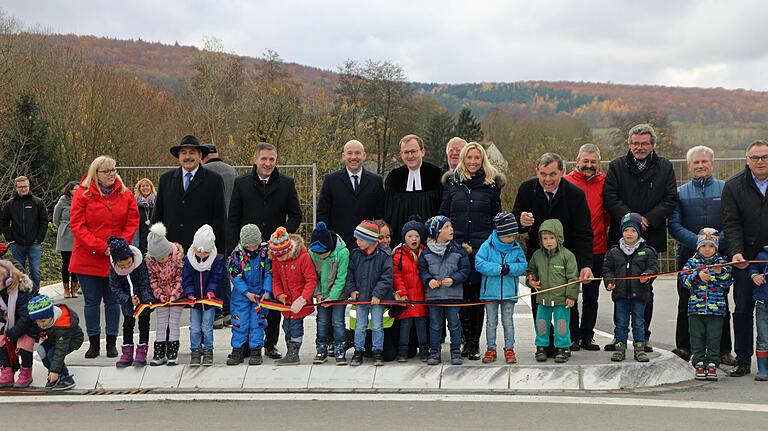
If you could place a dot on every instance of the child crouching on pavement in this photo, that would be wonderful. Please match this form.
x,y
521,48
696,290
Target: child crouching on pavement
x,y
707,304
165,261
293,282
129,283
443,267
15,344
201,275
501,261
250,270
631,257
550,266
58,328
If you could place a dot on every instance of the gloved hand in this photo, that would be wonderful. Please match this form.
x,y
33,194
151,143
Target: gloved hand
x,y
505,269
210,295
297,304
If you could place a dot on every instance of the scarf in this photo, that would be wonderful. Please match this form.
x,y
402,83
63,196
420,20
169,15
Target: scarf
x,y
204,264
10,307
629,249
146,201
437,248
106,191
641,164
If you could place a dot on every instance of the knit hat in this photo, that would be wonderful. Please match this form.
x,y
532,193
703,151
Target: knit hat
x,y
118,248
367,231
40,307
414,223
322,240
634,220
250,235
279,242
505,223
708,236
204,240
435,224
158,247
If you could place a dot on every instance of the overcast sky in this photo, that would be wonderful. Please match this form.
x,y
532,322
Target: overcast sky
x,y
670,42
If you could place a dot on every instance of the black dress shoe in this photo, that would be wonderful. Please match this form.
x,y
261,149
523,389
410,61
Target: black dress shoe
x,y
575,346
272,352
589,345
610,347
740,370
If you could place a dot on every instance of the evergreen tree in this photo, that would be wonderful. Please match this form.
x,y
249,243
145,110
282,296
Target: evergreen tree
x,y
440,129
468,126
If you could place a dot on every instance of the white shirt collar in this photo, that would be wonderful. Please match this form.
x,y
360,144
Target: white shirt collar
x,y
193,172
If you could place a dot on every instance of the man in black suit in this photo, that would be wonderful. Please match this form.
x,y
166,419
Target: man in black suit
x,y
350,195
269,200
190,196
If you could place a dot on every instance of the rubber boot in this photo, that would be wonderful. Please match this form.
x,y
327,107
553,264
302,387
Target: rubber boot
x,y
126,358
172,349
292,357
111,346
25,378
158,357
67,292
762,366
6,377
141,355
93,350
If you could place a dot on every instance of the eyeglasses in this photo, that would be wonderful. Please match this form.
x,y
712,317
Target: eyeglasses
x,y
758,158
409,152
107,171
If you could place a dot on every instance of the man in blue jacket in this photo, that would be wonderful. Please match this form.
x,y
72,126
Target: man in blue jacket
x,y
698,206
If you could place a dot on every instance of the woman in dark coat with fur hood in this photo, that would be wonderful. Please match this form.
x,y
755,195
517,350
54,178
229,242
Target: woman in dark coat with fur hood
x,y
471,198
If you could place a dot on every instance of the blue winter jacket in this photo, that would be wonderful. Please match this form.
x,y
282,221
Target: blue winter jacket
x,y
257,279
198,284
488,262
454,264
760,292
698,206
707,298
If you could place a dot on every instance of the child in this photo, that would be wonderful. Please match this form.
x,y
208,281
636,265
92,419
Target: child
x,y
293,282
501,261
129,282
443,268
200,277
331,259
759,274
631,257
165,261
707,304
250,270
15,345
369,279
405,260
58,327
385,235
553,265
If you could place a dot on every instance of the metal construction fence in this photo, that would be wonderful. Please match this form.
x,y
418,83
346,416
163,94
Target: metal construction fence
x,y
305,177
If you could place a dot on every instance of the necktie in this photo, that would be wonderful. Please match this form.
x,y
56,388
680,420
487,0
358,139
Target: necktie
x,y
187,180
550,195
355,182
265,182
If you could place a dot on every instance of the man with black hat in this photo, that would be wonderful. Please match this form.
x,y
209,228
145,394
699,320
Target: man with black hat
x,y
190,196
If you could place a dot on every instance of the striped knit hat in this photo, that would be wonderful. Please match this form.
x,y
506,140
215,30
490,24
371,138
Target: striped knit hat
x,y
40,307
505,223
435,224
279,242
367,231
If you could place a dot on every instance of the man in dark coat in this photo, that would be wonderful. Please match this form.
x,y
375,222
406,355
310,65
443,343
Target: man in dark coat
x,y
414,188
190,196
549,196
745,217
269,200
350,195
641,182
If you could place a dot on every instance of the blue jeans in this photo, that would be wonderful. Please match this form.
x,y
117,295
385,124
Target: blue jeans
x,y
49,348
624,309
95,290
201,328
294,329
562,333
377,326
437,317
405,331
507,321
335,316
761,321
33,253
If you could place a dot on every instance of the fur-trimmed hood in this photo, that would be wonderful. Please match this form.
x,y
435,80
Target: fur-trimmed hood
x,y
453,177
297,244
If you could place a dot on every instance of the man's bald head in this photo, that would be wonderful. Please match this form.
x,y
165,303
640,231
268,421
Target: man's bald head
x,y
353,155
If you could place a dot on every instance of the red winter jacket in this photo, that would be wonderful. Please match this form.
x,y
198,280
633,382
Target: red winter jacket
x,y
93,219
593,188
407,281
294,277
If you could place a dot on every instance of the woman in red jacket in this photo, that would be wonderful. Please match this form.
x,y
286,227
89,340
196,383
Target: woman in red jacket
x,y
101,207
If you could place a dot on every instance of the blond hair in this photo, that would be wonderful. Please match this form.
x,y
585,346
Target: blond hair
x,y
15,274
463,173
92,176
20,179
137,187
410,137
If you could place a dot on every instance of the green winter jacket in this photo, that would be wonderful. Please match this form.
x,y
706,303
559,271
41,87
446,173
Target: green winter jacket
x,y
332,272
554,268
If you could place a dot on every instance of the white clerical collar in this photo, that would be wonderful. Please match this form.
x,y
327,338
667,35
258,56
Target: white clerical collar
x,y
414,180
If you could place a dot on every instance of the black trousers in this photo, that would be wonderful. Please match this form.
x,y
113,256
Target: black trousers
x,y
65,274
129,322
273,329
584,329
472,317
